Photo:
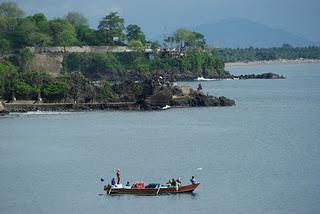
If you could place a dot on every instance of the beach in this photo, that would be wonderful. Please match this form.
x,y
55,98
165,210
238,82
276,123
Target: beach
x,y
272,62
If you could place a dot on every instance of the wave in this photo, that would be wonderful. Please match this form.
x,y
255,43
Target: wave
x,y
39,113
204,79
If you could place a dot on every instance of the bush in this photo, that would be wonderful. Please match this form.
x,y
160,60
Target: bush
x,y
55,91
24,90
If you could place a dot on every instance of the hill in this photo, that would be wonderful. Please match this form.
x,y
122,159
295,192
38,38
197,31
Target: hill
x,y
242,33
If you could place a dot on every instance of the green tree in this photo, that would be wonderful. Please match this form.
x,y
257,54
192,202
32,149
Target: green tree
x,y
76,19
39,39
136,44
186,38
182,36
10,9
86,36
63,33
56,91
21,58
81,89
37,80
32,31
8,78
105,91
134,32
111,29
8,24
25,27
4,45
41,22
23,90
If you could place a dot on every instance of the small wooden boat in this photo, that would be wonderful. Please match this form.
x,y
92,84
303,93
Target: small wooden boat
x,y
151,191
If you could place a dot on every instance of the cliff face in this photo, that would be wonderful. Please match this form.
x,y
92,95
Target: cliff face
x,y
48,62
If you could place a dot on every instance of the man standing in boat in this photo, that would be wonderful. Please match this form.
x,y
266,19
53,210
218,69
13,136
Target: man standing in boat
x,y
118,176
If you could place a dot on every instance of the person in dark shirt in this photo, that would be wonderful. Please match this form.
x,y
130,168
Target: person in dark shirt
x,y
173,183
178,181
193,180
113,182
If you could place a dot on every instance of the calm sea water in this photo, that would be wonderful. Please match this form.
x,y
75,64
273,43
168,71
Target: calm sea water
x,y
261,156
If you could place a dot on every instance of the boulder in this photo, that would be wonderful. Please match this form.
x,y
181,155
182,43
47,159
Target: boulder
x,y
185,90
224,101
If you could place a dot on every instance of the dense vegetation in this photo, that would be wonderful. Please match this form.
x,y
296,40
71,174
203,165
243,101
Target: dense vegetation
x,y
70,87
185,56
259,54
118,66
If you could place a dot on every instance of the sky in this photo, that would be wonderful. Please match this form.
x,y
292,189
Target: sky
x,y
157,17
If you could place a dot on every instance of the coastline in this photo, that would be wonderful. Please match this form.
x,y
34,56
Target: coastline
x,y
272,62
29,106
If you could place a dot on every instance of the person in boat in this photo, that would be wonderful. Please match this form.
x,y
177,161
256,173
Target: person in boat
x,y
118,176
178,181
193,180
113,182
127,186
168,183
173,182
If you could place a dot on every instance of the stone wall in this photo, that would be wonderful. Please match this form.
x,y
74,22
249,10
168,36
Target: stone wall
x,y
83,49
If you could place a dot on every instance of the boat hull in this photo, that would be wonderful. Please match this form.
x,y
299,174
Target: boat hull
x,y
152,191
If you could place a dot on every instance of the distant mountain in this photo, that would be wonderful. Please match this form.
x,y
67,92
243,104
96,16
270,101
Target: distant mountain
x,y
239,32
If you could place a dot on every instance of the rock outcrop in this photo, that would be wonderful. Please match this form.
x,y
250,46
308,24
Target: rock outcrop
x,y
260,76
158,95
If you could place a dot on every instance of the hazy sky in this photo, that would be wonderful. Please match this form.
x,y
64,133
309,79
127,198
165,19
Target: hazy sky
x,y
301,17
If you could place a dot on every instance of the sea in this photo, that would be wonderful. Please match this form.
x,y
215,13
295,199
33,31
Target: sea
x,y
260,156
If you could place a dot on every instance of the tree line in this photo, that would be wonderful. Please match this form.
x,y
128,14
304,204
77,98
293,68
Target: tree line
x,y
260,54
18,31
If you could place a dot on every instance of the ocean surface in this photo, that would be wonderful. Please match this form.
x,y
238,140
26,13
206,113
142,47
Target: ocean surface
x,y
260,156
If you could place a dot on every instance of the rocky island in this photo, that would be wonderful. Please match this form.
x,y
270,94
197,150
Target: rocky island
x,y
259,76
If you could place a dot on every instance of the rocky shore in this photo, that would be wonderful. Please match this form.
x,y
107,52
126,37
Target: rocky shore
x,y
27,107
146,95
